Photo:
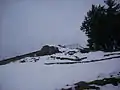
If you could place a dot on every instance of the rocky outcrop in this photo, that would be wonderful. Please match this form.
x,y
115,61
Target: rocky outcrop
x,y
48,50
84,50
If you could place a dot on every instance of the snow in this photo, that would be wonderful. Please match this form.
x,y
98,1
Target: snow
x,y
112,52
110,87
38,76
95,55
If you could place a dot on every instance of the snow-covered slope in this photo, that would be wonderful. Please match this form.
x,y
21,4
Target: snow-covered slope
x,y
31,73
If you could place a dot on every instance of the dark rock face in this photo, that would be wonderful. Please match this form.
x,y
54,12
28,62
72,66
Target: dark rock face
x,y
84,50
48,50
23,61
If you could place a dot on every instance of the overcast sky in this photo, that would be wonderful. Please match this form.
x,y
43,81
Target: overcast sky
x,y
26,25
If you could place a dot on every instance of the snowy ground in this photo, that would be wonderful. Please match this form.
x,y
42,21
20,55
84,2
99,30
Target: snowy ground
x,y
38,76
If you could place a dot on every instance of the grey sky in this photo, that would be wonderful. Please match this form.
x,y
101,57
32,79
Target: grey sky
x,y
26,25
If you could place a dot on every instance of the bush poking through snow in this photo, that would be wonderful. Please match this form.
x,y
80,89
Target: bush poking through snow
x,y
114,81
94,85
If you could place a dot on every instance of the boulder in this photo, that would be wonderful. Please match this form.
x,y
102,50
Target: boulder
x,y
48,50
84,50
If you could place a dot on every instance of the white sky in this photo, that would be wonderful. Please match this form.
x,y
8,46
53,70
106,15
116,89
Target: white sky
x,y
26,25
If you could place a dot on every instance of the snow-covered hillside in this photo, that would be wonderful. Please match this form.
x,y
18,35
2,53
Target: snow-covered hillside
x,y
54,72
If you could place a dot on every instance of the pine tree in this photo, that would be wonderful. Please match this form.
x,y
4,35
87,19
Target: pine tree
x,y
112,11
91,25
102,26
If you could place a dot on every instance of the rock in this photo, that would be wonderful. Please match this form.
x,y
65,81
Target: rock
x,y
62,46
23,61
71,52
81,83
84,50
66,89
48,50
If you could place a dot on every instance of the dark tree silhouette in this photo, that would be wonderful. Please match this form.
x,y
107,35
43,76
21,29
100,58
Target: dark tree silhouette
x,y
102,26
